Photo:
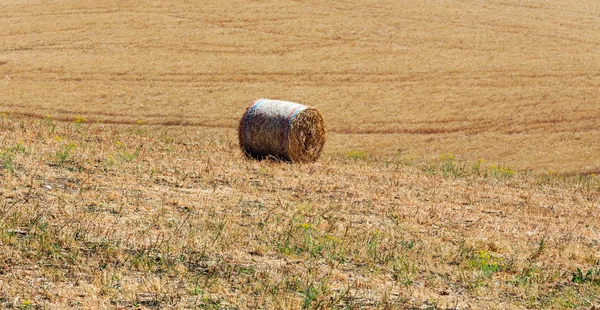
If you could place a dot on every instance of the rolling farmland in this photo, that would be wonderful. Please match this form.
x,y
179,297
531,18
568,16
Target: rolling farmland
x,y
460,169
510,82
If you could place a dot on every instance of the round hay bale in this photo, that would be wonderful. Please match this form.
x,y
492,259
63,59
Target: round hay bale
x,y
283,130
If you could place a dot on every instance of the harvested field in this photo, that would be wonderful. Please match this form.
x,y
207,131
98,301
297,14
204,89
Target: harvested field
x,y
511,82
460,170
100,216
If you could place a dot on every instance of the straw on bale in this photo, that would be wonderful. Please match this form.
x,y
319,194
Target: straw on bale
x,y
283,130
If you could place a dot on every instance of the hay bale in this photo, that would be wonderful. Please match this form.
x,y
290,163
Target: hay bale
x,y
281,129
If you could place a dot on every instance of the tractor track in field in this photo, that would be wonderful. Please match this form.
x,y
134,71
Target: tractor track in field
x,y
471,78
485,79
587,123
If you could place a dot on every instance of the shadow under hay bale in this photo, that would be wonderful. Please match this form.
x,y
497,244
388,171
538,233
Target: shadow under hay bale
x,y
283,130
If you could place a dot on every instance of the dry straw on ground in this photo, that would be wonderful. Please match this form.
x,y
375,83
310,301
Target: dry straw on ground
x,y
281,129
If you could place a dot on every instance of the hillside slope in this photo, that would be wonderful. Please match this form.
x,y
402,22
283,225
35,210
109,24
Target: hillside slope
x,y
107,216
507,81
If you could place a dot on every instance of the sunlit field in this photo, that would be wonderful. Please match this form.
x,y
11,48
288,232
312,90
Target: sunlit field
x,y
509,82
460,171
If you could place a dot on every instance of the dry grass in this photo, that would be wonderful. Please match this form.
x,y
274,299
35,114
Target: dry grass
x,y
105,216
156,206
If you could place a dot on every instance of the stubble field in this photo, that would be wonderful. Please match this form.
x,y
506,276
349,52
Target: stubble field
x,y
510,82
460,168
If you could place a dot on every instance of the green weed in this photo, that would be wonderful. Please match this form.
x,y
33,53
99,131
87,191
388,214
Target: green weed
x,y
79,119
65,153
315,295
486,262
404,270
501,172
126,156
8,155
592,276
356,155
448,166
306,240
26,304
7,158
